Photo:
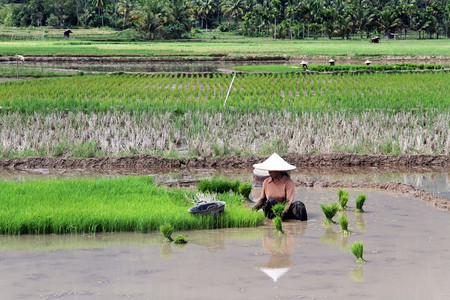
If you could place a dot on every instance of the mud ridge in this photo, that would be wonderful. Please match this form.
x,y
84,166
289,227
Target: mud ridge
x,y
308,161
406,189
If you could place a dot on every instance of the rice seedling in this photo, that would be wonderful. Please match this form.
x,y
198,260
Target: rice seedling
x,y
278,209
343,221
343,199
245,189
180,239
217,185
166,230
329,212
278,225
359,203
108,205
357,248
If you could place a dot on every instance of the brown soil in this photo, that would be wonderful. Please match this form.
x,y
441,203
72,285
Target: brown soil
x,y
324,162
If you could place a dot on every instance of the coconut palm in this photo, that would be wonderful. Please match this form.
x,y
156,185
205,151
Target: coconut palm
x,y
233,8
125,6
99,4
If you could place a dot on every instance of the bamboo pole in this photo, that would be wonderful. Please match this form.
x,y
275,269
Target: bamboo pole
x,y
229,89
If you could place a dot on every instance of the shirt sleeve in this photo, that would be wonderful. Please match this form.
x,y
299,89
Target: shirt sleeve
x,y
289,194
262,198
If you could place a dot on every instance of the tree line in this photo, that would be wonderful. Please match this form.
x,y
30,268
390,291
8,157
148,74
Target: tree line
x,y
287,19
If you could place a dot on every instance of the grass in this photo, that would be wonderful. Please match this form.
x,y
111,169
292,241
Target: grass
x,y
329,212
247,47
107,205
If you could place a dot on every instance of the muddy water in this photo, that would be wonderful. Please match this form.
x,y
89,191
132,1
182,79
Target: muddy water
x,y
405,244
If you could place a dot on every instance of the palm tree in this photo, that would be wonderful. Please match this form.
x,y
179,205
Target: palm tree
x,y
233,8
388,20
99,4
205,8
125,6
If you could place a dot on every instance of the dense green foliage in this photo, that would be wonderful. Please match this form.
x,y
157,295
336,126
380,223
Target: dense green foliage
x,y
107,205
218,185
339,68
278,19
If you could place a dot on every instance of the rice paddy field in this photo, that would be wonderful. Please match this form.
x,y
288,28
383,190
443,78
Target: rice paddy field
x,y
187,115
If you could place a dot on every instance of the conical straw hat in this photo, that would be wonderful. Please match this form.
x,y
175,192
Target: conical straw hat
x,y
331,60
304,62
367,62
274,163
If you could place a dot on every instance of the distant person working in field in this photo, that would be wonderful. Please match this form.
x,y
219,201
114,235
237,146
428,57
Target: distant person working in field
x,y
279,188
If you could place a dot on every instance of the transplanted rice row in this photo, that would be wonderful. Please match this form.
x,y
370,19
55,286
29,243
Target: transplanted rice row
x,y
251,92
107,205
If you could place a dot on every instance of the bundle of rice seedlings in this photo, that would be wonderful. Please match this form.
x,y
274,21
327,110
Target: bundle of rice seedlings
x,y
278,209
245,189
329,211
343,221
180,239
278,225
357,249
343,199
359,203
166,230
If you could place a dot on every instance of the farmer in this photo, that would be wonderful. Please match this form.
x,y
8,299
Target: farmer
x,y
279,188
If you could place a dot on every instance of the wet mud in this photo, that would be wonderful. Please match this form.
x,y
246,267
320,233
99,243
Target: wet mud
x,y
324,162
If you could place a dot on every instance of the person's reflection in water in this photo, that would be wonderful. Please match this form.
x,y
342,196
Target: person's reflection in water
x,y
281,248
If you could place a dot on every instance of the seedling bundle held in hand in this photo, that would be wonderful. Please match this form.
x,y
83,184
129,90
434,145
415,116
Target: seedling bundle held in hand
x,y
277,211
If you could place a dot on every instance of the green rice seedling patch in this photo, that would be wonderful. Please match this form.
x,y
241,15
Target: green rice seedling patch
x,y
107,205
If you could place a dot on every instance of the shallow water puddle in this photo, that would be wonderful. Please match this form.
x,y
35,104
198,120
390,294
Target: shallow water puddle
x,y
406,247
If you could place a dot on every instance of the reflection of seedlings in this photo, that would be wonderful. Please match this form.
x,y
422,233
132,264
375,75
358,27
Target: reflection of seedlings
x,y
357,249
360,224
343,245
330,237
166,230
180,240
343,199
329,211
359,203
277,222
357,274
343,221
166,251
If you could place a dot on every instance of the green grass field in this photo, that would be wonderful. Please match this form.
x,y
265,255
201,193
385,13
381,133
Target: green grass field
x,y
245,47
107,205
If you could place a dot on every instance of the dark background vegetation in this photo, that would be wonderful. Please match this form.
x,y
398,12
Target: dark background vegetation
x,y
285,19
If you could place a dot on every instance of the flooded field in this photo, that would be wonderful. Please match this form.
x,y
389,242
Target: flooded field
x,y
405,245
